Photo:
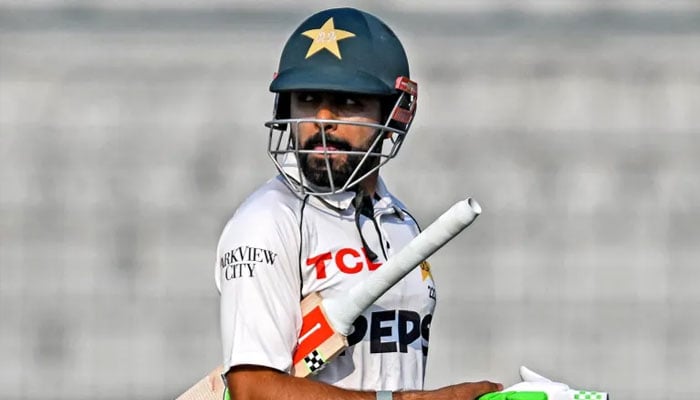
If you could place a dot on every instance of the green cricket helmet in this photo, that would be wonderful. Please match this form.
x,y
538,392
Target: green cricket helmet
x,y
348,51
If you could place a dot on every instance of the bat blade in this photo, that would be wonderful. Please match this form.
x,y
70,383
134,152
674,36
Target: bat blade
x,y
211,387
318,341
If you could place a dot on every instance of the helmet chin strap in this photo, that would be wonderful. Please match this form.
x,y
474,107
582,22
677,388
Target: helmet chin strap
x,y
363,206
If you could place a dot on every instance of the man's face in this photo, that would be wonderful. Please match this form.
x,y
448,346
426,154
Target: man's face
x,y
339,137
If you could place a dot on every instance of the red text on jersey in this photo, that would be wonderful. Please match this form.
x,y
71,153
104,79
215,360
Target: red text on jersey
x,y
348,261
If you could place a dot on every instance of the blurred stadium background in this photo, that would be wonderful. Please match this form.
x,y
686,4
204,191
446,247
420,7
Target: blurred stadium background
x,y
130,131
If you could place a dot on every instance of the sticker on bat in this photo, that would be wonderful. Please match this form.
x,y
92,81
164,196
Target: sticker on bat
x,y
315,361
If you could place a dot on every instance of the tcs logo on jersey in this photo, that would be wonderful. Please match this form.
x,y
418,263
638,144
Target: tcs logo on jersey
x,y
348,261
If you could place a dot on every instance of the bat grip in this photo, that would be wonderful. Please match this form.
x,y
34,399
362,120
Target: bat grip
x,y
343,310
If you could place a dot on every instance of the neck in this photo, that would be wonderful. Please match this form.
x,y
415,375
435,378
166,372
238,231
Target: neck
x,y
369,184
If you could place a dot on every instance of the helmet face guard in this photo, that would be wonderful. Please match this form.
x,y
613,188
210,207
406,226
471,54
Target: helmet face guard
x,y
348,51
287,154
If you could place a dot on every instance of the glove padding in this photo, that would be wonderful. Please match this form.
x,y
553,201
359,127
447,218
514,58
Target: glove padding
x,y
536,387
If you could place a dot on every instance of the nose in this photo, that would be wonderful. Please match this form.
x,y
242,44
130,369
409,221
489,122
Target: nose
x,y
326,111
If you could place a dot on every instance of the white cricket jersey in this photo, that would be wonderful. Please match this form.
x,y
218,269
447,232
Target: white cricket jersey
x,y
278,248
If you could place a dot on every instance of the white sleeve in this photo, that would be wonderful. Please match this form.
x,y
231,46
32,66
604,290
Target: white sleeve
x,y
258,277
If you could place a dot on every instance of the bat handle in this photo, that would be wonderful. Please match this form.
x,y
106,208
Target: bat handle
x,y
343,310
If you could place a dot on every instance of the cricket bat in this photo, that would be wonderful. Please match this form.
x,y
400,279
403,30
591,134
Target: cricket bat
x,y
327,322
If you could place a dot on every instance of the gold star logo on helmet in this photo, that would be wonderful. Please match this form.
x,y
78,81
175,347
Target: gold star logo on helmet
x,y
326,37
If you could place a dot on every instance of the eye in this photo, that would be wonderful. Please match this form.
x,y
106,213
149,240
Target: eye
x,y
306,97
349,101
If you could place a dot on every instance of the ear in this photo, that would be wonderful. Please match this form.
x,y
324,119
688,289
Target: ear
x,y
281,109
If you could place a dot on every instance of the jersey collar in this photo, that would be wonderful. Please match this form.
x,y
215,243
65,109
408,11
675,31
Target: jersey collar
x,y
382,199
385,202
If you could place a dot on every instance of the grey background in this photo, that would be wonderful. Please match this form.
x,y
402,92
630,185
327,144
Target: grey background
x,y
130,131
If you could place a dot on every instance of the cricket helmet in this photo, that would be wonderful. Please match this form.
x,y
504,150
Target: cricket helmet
x,y
349,51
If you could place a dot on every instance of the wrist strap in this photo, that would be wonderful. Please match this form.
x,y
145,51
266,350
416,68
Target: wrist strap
x,y
385,395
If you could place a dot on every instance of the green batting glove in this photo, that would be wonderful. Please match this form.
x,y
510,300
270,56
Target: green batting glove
x,y
537,387
514,396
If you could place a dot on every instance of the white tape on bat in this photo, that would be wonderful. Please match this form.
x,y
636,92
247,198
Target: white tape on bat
x,y
343,310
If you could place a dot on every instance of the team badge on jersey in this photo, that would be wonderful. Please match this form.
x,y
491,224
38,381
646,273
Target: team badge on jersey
x,y
426,275
425,270
326,37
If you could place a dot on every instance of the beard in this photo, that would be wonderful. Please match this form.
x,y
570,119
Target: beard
x,y
342,166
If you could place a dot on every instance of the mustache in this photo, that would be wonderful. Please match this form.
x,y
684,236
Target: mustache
x,y
317,140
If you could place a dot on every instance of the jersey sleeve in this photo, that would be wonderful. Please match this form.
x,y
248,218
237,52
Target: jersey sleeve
x,y
257,274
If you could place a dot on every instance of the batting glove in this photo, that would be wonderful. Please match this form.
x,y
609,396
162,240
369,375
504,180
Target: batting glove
x,y
536,387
